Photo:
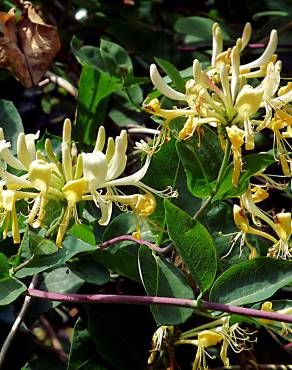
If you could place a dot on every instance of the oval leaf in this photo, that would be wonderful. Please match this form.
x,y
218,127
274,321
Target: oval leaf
x,y
201,156
251,281
160,278
10,121
194,244
10,290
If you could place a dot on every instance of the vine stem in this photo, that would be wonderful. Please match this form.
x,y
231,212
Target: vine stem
x,y
138,241
17,323
147,300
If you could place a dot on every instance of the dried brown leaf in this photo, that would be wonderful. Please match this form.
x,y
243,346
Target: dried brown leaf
x,y
27,47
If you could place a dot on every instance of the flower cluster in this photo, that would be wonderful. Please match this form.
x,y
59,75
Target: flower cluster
x,y
280,224
239,100
209,335
224,97
37,177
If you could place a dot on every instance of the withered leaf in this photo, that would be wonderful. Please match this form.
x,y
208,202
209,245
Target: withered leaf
x,y
27,45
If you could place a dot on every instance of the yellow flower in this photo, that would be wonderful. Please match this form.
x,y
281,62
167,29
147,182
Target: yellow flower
x,y
8,210
236,136
230,336
281,225
221,95
73,192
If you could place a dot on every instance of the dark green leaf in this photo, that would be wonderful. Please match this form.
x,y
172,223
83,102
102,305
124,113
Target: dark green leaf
x,y
123,224
40,245
90,271
201,157
61,280
83,352
116,332
71,247
116,59
94,88
199,29
10,290
252,163
194,244
87,55
173,73
4,267
83,232
44,364
251,281
10,121
160,278
166,161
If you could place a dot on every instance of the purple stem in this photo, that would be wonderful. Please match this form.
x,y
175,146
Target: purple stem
x,y
138,241
146,300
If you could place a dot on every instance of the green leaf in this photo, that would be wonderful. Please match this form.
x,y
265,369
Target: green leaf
x,y
83,232
173,73
251,281
71,247
61,280
123,224
123,261
83,352
194,244
201,157
10,290
94,89
252,163
200,29
90,271
166,161
160,278
4,267
116,331
44,364
40,245
10,122
116,59
87,55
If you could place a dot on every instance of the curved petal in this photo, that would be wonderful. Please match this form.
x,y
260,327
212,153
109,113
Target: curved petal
x,y
162,86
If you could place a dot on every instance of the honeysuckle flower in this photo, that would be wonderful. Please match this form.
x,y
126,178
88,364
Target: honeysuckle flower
x,y
281,120
285,328
8,214
280,225
26,151
259,194
236,136
161,339
95,176
73,192
225,334
222,96
102,172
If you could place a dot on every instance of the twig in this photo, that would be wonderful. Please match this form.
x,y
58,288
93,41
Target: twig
x,y
51,334
138,241
60,81
17,323
147,300
61,355
22,265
